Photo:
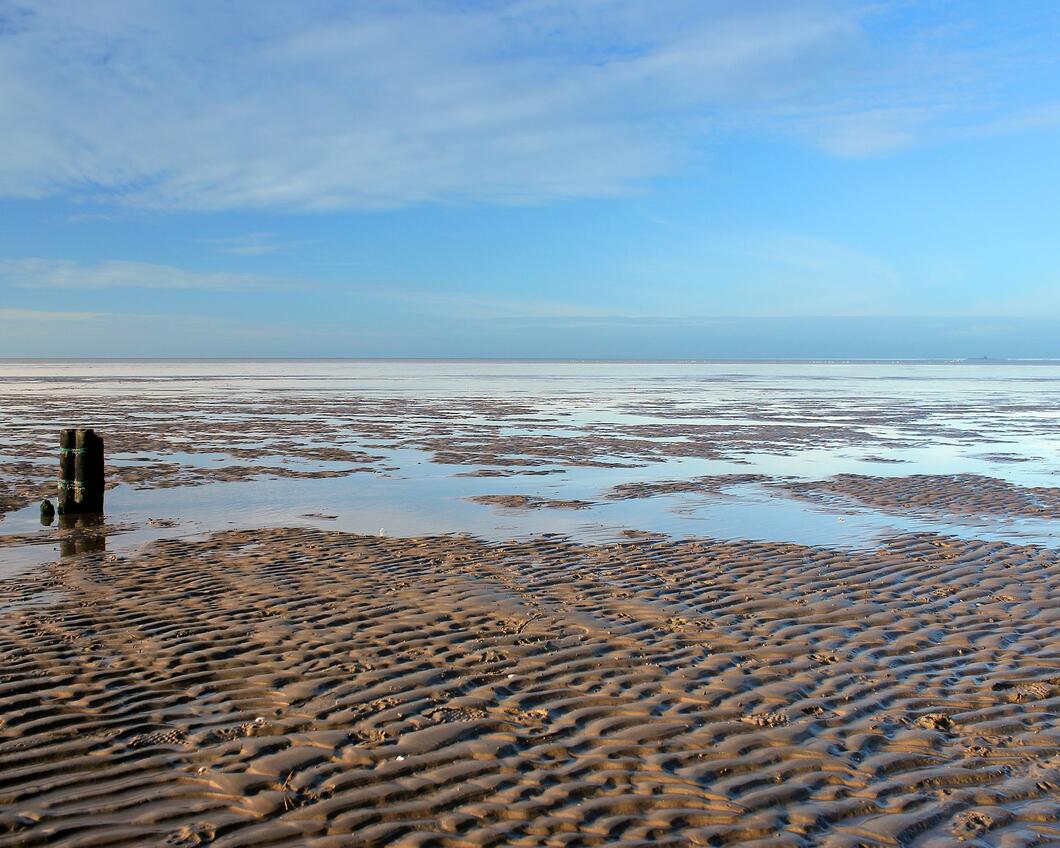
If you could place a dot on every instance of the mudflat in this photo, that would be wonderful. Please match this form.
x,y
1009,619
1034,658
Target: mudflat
x,y
680,605
300,687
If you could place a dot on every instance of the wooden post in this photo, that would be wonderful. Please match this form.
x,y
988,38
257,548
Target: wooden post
x,y
88,472
67,446
81,472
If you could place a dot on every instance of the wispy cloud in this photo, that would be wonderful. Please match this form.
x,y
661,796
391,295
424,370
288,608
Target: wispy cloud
x,y
162,105
36,273
477,306
618,322
251,244
21,316
33,332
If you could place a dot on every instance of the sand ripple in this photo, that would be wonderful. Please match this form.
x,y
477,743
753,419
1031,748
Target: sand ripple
x,y
968,494
297,687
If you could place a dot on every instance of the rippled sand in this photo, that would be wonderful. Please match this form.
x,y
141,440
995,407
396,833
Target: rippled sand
x,y
297,687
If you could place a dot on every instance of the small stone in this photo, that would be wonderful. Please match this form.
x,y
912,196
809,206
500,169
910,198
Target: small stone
x,y
47,512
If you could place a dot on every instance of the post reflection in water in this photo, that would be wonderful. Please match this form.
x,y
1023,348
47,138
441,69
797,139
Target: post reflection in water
x,y
83,534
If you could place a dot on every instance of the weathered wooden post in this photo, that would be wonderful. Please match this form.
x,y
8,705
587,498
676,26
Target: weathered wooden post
x,y
88,471
67,448
80,472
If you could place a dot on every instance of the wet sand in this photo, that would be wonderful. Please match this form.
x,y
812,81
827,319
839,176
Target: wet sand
x,y
297,687
969,494
713,484
528,502
182,424
302,686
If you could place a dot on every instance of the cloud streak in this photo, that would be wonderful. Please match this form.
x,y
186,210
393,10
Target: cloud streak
x,y
249,244
204,106
32,333
36,273
21,316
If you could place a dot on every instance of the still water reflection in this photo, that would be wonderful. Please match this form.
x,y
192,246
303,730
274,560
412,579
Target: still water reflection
x,y
1001,420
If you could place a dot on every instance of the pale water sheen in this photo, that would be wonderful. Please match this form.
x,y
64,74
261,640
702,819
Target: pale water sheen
x,y
964,417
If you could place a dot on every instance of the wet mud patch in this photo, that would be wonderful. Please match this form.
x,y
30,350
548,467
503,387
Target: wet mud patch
x,y
708,485
962,494
529,502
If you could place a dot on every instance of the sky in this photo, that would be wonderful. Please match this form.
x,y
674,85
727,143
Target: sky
x,y
526,178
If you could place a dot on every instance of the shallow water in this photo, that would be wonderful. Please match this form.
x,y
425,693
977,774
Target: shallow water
x,y
1000,420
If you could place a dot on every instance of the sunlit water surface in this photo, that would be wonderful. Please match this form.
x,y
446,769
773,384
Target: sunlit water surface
x,y
997,419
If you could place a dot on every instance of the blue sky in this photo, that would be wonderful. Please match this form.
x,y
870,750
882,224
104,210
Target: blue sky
x,y
530,178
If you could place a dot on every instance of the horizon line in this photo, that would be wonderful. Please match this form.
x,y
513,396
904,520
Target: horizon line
x,y
973,360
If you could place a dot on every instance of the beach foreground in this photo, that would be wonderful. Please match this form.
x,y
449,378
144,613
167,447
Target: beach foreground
x,y
304,687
